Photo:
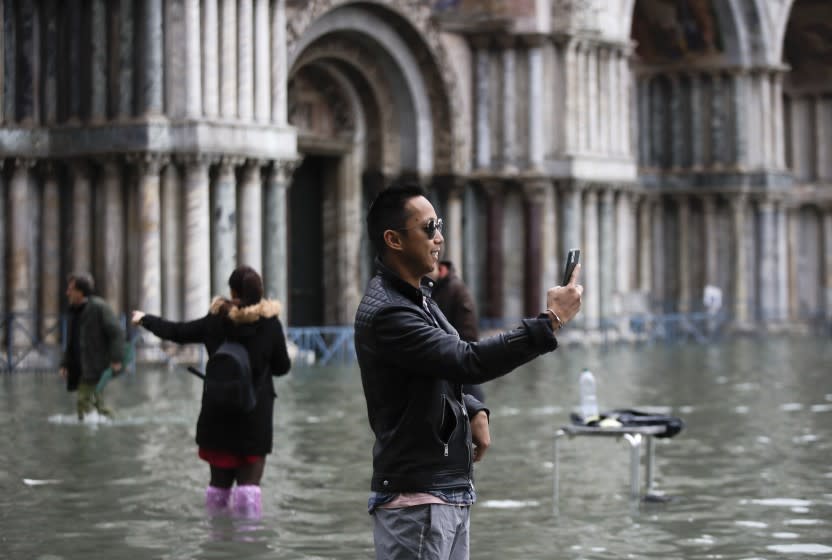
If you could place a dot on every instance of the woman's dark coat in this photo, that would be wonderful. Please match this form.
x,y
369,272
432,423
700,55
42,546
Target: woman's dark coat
x,y
258,328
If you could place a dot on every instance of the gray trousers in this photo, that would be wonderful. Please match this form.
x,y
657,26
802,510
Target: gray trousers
x,y
427,532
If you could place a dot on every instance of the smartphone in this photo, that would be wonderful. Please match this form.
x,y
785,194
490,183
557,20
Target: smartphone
x,y
572,259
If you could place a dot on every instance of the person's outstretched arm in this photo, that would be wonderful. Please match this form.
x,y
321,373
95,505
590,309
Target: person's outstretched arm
x,y
186,332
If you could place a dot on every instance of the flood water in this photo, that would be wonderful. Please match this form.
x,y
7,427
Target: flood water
x,y
750,477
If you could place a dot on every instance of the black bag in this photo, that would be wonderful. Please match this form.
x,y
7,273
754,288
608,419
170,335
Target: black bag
x,y
629,417
228,383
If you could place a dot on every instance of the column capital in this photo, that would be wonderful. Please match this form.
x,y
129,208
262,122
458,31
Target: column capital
x,y
148,163
197,163
281,170
533,40
47,168
21,163
227,162
535,190
493,189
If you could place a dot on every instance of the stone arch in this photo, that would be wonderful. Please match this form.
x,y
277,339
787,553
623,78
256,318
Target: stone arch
x,y
406,34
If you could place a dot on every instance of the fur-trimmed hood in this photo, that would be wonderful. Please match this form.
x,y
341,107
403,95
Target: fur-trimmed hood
x,y
265,309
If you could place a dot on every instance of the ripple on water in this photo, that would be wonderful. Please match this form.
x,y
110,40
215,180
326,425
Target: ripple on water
x,y
801,548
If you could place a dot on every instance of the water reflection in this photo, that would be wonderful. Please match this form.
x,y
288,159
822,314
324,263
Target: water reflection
x,y
749,477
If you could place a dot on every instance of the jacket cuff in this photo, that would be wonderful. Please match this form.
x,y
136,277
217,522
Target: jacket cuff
x,y
540,333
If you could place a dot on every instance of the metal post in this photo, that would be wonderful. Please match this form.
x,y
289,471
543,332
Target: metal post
x,y
635,447
649,466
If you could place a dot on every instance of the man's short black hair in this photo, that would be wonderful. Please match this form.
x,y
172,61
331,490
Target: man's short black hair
x,y
388,211
83,282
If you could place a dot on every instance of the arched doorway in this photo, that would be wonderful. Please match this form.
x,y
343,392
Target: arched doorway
x,y
367,98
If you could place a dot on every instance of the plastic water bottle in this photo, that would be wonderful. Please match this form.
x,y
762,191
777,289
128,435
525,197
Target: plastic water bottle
x,y
589,400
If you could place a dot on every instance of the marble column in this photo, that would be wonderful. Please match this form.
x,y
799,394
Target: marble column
x,y
571,57
605,116
767,111
21,255
224,224
644,122
572,222
228,58
262,107
742,304
112,226
768,260
125,51
148,167
494,249
193,59
823,160
626,103
739,105
482,111
697,132
509,106
245,60
276,254
592,98
197,238
659,292
171,231
827,262
453,235
152,49
81,218
210,59
536,92
683,250
606,254
6,68
27,66
98,61
779,120
783,264
534,199
624,239
3,218
721,131
50,283
679,136
591,261
711,239
550,270
645,244
279,63
250,213
49,42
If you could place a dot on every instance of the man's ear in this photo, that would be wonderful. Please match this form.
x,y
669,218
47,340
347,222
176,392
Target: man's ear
x,y
393,239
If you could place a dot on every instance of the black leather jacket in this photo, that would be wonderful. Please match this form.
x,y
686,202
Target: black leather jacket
x,y
412,371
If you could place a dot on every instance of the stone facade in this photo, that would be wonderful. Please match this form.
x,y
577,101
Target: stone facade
x,y
154,142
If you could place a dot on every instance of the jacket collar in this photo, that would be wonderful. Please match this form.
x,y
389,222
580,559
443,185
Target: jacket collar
x,y
265,309
416,295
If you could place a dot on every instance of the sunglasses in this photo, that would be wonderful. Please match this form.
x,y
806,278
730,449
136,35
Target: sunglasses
x,y
429,228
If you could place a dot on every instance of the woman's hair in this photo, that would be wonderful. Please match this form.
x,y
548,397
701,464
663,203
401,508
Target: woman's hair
x,y
246,285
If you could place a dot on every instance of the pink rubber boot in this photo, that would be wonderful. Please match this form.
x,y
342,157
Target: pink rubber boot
x,y
246,501
216,500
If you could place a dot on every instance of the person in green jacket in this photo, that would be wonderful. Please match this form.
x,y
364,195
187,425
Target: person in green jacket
x,y
95,342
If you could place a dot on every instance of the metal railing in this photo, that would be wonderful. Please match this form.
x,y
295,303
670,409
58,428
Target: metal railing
x,y
29,343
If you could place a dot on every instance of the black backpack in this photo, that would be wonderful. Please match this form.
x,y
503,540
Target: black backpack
x,y
228,383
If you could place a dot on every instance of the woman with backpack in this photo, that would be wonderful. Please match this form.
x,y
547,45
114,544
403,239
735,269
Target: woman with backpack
x,y
234,442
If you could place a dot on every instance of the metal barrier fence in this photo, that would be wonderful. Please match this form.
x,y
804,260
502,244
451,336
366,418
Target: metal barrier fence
x,y
31,343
